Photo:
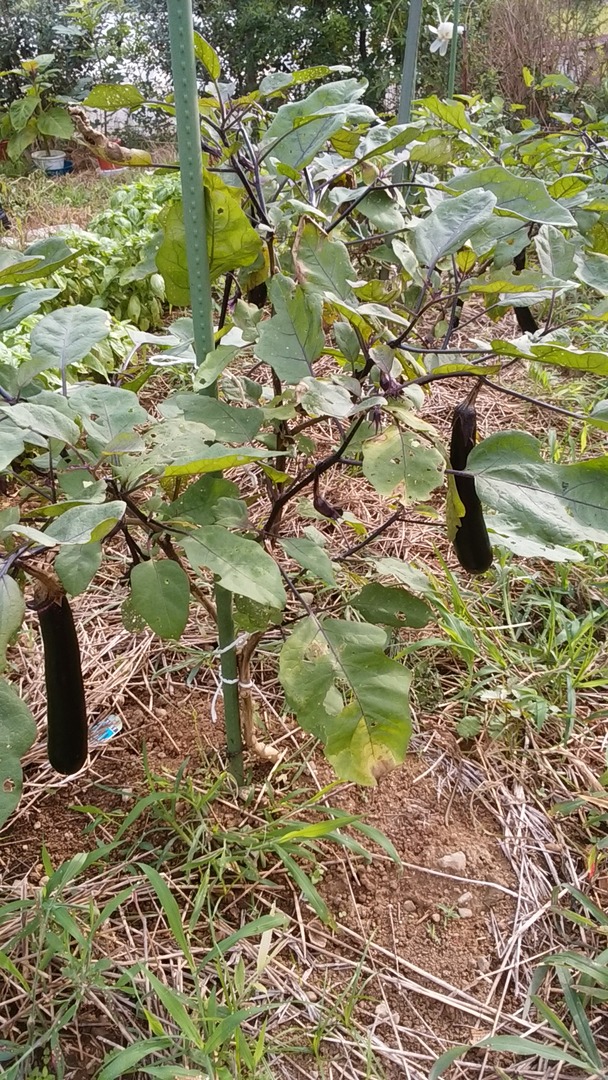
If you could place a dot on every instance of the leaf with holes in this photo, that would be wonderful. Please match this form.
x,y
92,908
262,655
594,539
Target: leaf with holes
x,y
391,606
112,97
401,462
346,691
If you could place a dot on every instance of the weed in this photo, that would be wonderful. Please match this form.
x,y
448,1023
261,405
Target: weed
x,y
197,993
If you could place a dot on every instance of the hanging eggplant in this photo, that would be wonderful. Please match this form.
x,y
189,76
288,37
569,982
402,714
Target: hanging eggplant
x,y
471,543
66,707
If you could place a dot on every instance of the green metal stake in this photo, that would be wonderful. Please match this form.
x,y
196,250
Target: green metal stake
x,y
183,65
408,77
453,49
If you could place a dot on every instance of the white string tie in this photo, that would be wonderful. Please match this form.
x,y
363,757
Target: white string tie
x,y
222,682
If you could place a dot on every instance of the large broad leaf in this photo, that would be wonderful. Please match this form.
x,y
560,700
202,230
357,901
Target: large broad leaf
x,y
111,97
592,270
324,263
21,110
106,412
56,122
25,304
452,113
555,504
596,363
390,606
310,555
447,227
20,140
516,289
407,574
227,422
401,462
513,536
293,338
212,366
66,336
43,419
197,458
556,255
207,56
50,253
380,208
200,502
160,593
171,258
581,360
524,196
320,397
17,733
232,242
12,610
15,267
301,128
81,524
280,80
241,565
76,566
11,445
346,691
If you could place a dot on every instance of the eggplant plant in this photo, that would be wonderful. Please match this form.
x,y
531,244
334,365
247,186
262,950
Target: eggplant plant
x,y
345,253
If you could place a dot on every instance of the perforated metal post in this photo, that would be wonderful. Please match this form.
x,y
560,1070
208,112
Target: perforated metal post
x,y
408,77
183,63
453,49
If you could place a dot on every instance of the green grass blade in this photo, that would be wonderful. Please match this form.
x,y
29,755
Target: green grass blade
x,y
554,1020
579,1018
251,929
448,1059
123,1061
112,906
168,903
514,1044
7,965
306,886
177,1010
585,965
226,1028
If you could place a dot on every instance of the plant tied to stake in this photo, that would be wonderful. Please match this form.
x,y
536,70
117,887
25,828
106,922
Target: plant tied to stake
x,y
300,200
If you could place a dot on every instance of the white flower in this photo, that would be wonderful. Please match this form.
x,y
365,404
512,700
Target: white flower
x,y
445,33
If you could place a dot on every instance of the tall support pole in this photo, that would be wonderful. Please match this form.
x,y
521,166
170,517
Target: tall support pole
x,y
183,65
408,77
453,49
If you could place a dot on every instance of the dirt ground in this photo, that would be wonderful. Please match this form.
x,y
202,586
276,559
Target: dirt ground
x,y
442,925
